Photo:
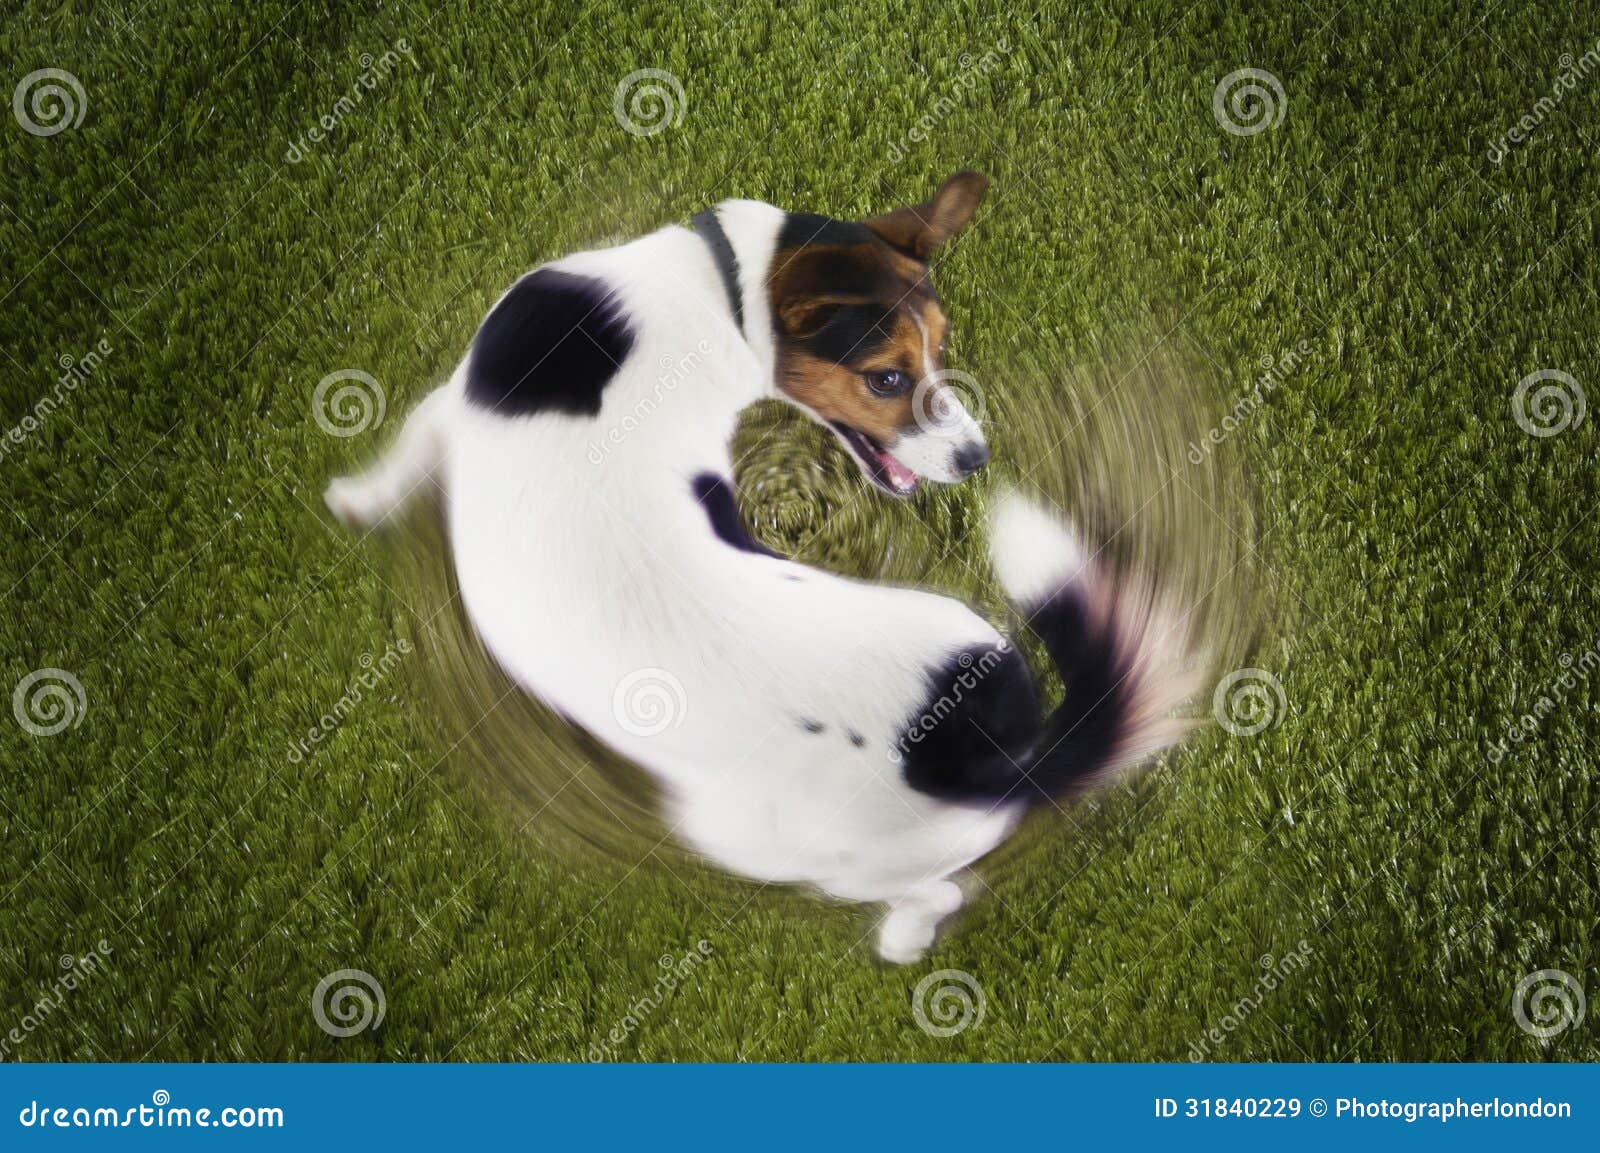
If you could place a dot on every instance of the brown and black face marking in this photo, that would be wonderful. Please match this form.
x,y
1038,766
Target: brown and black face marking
x,y
860,327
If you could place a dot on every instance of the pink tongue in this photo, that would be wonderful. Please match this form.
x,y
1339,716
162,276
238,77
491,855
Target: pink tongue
x,y
901,477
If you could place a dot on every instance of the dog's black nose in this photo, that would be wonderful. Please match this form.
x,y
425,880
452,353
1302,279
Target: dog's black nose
x,y
970,458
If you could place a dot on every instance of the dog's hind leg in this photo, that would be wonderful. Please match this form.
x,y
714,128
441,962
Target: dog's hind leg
x,y
908,930
365,500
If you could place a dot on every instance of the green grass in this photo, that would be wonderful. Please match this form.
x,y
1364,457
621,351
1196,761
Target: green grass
x,y
163,539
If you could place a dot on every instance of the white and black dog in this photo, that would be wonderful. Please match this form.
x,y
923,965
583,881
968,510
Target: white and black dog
x,y
867,740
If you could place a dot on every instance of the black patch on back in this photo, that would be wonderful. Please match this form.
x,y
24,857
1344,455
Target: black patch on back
x,y
812,725
716,495
856,738
978,699
552,345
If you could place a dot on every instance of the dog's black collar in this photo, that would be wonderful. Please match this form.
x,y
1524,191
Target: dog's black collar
x,y
710,230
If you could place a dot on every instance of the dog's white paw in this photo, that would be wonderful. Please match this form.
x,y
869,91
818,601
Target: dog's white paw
x,y
909,929
353,503
903,937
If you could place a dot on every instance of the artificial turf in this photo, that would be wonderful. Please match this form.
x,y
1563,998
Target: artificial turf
x,y
164,541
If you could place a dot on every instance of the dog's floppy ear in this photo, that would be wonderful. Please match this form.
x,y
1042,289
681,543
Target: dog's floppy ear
x,y
812,283
804,316
920,228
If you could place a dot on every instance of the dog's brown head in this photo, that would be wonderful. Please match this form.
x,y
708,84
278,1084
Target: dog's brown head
x,y
860,337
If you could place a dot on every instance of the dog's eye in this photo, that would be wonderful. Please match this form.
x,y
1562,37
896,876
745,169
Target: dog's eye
x,y
890,383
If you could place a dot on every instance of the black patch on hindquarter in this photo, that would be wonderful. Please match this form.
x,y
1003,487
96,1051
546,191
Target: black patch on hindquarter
x,y
980,715
1100,678
551,345
1050,757
716,496
812,725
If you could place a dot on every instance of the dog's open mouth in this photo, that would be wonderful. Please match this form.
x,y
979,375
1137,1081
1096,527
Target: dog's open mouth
x,y
878,462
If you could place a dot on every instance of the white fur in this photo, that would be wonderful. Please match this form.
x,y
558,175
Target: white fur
x,y
1032,554
594,578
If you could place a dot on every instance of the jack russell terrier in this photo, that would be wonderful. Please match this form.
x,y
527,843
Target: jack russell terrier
x,y
867,740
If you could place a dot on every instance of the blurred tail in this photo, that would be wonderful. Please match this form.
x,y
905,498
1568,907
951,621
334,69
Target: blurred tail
x,y
1120,653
